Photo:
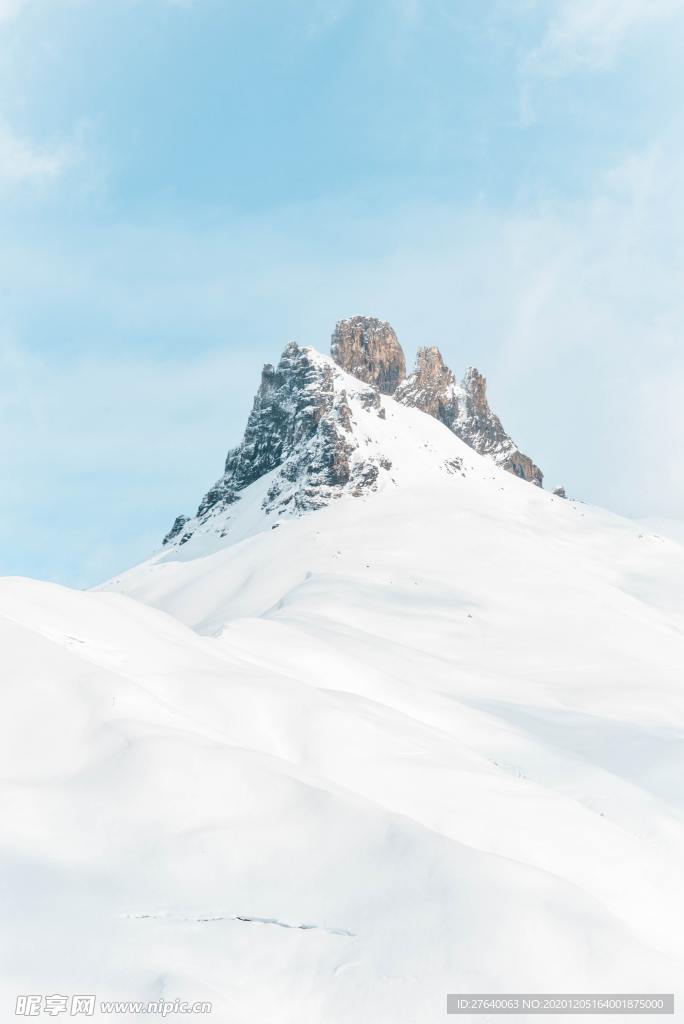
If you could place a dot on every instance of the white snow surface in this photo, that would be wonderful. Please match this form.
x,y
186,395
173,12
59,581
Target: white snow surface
x,y
422,741
665,527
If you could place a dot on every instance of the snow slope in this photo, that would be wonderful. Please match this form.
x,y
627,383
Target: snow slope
x,y
665,527
423,740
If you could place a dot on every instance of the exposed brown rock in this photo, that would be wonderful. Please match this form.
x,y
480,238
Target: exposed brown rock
x,y
464,409
432,387
484,432
368,349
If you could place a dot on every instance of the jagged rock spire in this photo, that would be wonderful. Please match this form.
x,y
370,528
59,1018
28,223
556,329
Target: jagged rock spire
x,y
487,434
432,387
368,349
464,409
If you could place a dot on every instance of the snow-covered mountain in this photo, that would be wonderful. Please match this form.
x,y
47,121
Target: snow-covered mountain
x,y
379,722
313,428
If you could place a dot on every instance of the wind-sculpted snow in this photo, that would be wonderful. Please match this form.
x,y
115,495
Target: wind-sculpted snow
x,y
388,780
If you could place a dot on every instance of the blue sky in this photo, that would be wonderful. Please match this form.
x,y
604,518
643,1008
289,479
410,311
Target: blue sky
x,y
185,186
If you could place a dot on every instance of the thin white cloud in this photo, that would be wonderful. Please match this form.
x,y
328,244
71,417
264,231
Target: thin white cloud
x,y
22,162
9,8
591,33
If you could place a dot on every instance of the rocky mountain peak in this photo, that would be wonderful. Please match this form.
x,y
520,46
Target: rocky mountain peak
x,y
431,387
368,349
431,372
482,430
299,439
464,409
430,366
476,387
312,434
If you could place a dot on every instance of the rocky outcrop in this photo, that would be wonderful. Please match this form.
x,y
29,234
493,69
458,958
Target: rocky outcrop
x,y
299,431
368,349
483,431
464,409
176,530
432,388
302,433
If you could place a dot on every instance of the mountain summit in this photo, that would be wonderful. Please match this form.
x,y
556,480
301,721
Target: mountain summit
x,y
315,433
464,409
369,349
309,438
